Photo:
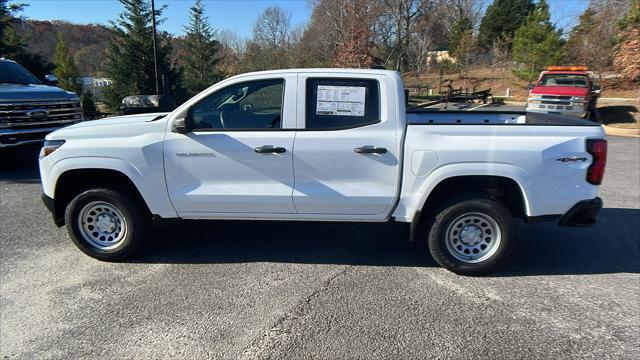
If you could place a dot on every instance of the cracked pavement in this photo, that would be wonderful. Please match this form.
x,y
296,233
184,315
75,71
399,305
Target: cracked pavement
x,y
258,290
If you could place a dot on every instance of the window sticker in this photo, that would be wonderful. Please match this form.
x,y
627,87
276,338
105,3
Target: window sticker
x,y
341,100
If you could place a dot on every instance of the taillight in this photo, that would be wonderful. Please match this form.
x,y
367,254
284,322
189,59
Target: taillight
x,y
598,149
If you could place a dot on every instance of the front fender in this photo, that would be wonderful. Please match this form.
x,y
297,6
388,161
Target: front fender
x,y
151,185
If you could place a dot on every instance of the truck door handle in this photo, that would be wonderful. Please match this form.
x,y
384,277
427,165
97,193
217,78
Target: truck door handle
x,y
370,150
268,149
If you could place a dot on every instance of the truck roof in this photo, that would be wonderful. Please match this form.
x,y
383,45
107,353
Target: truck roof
x,y
322,70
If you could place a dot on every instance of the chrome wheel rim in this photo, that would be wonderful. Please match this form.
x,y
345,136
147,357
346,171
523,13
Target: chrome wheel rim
x,y
102,225
473,237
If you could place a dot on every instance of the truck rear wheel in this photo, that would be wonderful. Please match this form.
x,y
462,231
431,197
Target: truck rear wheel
x,y
107,224
471,234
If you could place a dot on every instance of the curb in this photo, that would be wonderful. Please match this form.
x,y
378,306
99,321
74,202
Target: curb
x,y
610,130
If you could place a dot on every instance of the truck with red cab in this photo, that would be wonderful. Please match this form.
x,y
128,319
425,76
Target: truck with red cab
x,y
565,90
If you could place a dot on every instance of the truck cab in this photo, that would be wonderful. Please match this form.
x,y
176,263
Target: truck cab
x,y
29,110
569,90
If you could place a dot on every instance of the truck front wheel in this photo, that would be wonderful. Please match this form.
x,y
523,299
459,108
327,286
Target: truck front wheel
x,y
107,224
471,235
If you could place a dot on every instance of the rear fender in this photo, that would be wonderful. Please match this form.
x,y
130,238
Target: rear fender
x,y
415,197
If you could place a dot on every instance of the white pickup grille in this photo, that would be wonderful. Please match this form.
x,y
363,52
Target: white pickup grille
x,y
32,113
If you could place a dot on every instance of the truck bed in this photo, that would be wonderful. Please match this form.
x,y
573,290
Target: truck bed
x,y
449,117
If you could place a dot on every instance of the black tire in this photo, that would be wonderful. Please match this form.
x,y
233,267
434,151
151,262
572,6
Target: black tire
x,y
457,210
133,212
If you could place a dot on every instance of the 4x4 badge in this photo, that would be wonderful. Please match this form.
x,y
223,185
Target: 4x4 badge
x,y
572,159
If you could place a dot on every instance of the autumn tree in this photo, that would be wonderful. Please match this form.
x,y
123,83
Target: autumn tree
x,y
537,43
626,59
421,43
201,57
501,55
403,16
592,40
273,42
130,56
354,50
233,48
501,20
66,70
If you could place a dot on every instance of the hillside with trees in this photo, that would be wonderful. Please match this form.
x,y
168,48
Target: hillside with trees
x,y
86,43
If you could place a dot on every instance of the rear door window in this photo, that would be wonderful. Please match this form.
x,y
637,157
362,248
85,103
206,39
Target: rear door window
x,y
334,104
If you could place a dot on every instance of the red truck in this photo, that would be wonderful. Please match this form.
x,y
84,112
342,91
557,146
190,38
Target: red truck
x,y
565,90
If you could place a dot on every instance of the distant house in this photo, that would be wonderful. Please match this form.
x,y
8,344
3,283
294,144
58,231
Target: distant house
x,y
95,85
438,56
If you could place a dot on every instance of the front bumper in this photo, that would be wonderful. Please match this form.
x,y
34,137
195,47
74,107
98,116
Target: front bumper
x,y
582,214
58,219
581,112
31,135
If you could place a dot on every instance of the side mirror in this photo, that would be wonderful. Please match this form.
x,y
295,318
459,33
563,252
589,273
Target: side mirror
x,y
530,86
180,126
51,80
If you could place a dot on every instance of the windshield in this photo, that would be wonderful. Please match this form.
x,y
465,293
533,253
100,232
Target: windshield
x,y
12,73
564,80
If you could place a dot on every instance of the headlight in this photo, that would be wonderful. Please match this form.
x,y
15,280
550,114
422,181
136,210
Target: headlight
x,y
578,99
49,147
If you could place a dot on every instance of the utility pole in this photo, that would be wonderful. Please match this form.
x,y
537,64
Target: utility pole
x,y
155,51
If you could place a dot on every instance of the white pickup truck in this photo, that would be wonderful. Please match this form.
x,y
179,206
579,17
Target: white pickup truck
x,y
324,145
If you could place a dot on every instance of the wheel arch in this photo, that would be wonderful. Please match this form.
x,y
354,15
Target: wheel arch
x,y
72,181
505,189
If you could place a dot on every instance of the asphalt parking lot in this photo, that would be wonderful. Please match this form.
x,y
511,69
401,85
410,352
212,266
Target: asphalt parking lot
x,y
314,290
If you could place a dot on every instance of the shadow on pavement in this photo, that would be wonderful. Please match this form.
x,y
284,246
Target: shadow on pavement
x,y
611,246
619,114
20,165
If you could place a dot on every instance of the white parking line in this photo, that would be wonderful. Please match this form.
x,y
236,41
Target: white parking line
x,y
477,107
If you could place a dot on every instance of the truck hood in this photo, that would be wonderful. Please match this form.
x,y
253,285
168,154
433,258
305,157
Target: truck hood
x,y
117,120
128,125
560,90
18,92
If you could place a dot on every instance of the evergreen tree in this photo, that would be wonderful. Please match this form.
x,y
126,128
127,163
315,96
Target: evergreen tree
x,y
201,56
12,47
129,60
66,71
461,35
502,19
579,39
536,44
7,18
88,103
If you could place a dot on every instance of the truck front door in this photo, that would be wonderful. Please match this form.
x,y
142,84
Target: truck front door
x,y
237,158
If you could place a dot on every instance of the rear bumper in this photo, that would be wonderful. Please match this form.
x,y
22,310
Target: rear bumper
x,y
50,205
582,214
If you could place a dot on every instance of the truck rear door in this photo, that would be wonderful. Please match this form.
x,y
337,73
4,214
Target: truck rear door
x,y
347,150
